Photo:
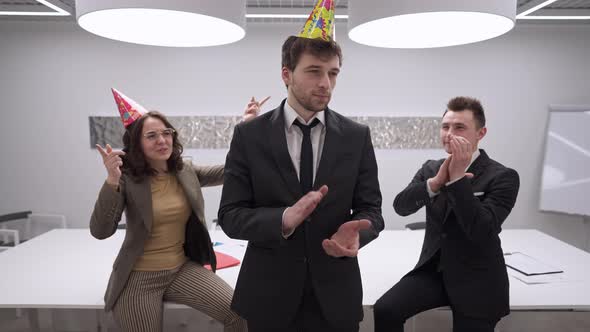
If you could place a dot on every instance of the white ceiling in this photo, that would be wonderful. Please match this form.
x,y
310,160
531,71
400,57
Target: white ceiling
x,y
557,8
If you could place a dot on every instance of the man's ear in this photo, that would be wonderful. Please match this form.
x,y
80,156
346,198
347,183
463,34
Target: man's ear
x,y
482,132
286,75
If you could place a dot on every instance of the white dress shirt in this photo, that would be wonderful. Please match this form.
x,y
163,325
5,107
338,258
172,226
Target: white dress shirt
x,y
294,137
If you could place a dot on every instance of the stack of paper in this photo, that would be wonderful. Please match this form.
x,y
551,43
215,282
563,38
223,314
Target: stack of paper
x,y
528,265
531,270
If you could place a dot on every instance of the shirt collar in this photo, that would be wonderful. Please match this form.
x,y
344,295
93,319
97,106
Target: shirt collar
x,y
474,156
291,115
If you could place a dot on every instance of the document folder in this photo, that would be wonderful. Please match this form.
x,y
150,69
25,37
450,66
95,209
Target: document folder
x,y
223,261
528,265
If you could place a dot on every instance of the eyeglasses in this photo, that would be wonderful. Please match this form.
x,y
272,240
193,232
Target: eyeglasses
x,y
152,136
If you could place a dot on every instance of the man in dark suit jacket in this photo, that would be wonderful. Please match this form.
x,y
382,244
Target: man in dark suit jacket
x,y
300,271
467,197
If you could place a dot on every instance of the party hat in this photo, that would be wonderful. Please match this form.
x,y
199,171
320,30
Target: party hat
x,y
320,23
128,108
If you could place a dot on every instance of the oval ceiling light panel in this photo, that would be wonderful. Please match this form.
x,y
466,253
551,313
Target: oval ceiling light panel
x,y
164,23
428,24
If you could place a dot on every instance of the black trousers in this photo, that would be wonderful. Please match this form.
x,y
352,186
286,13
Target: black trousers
x,y
421,291
309,317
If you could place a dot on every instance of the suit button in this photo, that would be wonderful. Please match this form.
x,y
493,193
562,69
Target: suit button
x,y
443,236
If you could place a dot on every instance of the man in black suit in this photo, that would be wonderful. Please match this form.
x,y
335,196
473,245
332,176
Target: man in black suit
x,y
300,271
467,197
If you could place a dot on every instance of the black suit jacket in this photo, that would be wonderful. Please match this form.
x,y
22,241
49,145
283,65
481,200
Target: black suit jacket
x,y
463,222
260,182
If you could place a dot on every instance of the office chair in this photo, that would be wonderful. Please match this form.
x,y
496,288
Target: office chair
x,y
416,225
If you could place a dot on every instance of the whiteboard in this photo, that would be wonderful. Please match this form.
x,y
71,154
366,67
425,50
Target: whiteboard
x,y
565,181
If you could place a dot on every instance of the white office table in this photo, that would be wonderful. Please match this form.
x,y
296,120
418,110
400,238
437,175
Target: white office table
x,y
69,269
386,260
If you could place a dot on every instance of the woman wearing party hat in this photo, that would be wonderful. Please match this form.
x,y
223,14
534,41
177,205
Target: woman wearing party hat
x,y
166,242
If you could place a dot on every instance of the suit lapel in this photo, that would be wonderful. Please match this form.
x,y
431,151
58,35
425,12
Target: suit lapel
x,y
477,169
188,181
142,195
330,150
280,151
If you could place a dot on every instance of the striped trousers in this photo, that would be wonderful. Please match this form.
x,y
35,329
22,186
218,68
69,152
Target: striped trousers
x,y
139,308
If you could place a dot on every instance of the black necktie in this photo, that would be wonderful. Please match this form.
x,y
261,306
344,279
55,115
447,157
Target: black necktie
x,y
306,163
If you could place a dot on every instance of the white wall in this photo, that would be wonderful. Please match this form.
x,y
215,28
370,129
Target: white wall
x,y
54,75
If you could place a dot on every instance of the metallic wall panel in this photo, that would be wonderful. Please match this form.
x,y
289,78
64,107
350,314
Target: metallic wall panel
x,y
215,132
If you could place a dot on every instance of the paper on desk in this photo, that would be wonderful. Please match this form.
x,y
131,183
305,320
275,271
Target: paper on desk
x,y
222,243
539,279
528,265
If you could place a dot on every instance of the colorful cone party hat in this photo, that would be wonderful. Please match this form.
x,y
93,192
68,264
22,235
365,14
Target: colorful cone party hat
x,y
128,108
320,23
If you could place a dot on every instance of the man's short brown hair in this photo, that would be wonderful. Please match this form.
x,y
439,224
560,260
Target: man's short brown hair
x,y
459,104
294,47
